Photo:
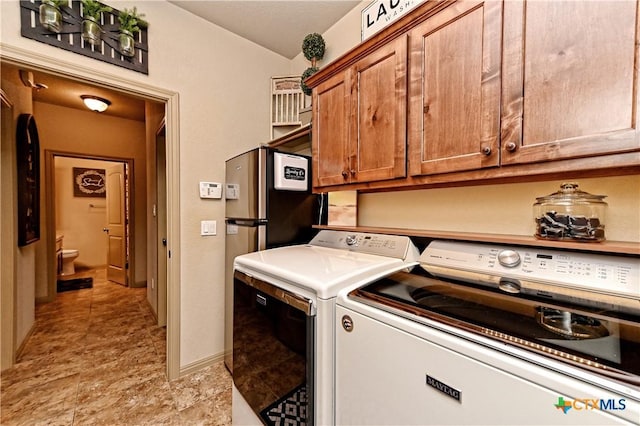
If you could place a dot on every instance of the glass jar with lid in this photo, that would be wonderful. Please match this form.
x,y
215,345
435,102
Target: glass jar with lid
x,y
570,214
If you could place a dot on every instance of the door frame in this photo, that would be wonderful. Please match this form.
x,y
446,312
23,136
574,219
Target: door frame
x,y
33,59
50,202
9,240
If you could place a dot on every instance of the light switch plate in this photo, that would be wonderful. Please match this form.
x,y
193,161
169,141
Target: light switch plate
x,y
208,227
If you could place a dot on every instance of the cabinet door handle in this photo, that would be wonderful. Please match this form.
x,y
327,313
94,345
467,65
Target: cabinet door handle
x,y
486,150
353,172
511,146
345,174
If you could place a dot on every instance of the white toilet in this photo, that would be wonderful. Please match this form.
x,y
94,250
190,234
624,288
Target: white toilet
x,y
68,257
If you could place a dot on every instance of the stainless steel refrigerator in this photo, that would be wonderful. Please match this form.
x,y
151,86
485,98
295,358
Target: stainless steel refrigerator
x,y
268,204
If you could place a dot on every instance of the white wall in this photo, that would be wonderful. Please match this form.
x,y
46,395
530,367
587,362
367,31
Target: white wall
x,y
223,85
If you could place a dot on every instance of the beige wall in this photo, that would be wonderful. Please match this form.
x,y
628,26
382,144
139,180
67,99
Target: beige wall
x,y
223,86
18,279
498,209
342,36
80,220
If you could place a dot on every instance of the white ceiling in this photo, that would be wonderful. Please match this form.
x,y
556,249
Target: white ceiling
x,y
279,26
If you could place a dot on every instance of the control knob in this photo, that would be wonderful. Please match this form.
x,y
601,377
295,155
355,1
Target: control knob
x,y
351,240
509,258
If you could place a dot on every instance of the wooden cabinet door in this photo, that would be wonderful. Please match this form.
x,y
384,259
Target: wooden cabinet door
x,y
378,138
330,134
454,89
570,79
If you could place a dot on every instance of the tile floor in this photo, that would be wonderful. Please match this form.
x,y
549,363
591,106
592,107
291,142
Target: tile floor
x,y
96,357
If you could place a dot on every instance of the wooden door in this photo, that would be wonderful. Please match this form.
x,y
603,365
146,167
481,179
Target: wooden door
x,y
454,89
378,137
571,79
161,227
116,225
330,135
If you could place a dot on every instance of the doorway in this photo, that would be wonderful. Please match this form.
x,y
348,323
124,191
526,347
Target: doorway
x,y
33,61
84,218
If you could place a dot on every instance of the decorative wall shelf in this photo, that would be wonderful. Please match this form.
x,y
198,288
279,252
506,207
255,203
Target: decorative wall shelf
x,y
70,37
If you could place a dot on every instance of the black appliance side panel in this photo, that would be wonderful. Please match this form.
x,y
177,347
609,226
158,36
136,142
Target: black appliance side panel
x,y
290,214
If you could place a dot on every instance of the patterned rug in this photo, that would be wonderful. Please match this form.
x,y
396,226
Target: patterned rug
x,y
74,284
291,410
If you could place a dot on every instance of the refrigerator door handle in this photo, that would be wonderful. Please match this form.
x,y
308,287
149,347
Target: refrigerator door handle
x,y
247,222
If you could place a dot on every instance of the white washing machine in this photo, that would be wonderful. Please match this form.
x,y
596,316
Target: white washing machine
x,y
493,335
284,321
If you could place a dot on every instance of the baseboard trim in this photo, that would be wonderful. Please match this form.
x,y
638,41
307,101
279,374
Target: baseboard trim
x,y
24,343
153,313
199,365
139,284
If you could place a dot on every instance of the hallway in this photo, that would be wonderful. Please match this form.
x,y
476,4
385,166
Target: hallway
x,y
97,357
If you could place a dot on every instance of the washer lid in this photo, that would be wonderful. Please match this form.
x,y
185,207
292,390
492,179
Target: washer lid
x,y
323,271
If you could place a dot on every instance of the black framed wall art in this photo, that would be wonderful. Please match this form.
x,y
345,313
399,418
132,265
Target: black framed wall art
x,y
28,159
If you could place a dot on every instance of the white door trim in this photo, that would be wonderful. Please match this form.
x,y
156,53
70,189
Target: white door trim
x,y
36,61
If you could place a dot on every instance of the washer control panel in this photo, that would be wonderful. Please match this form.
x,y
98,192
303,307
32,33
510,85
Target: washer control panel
x,y
396,246
608,273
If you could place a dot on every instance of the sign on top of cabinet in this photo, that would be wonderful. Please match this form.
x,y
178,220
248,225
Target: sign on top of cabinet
x,y
381,13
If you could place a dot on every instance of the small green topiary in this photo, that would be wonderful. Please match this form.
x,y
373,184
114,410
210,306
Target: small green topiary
x,y
307,73
313,46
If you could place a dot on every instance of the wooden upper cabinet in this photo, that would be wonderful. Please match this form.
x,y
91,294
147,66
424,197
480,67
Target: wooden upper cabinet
x,y
457,92
359,127
454,89
570,81
330,131
379,108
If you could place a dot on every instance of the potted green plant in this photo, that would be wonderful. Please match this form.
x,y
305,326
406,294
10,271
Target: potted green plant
x,y
130,24
91,13
307,73
50,16
313,47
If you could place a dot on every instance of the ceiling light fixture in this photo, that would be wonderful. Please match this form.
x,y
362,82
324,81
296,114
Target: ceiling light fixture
x,y
95,103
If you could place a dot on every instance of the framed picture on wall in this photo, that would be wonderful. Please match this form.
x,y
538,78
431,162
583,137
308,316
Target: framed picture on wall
x,y
89,182
28,162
